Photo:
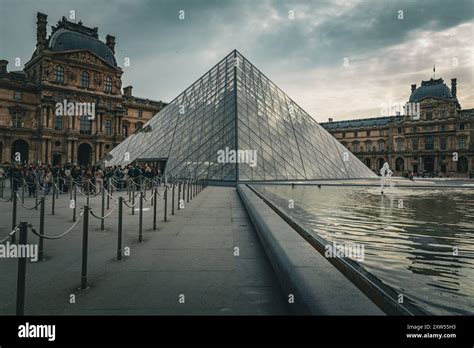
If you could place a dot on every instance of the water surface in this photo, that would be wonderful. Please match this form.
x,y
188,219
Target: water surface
x,y
411,236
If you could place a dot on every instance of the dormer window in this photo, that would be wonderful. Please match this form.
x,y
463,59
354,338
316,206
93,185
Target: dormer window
x,y
429,116
108,84
461,126
59,73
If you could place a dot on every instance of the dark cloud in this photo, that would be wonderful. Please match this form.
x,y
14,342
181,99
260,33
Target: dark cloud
x,y
168,54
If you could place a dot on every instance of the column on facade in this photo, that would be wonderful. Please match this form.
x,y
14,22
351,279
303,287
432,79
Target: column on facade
x,y
73,156
68,149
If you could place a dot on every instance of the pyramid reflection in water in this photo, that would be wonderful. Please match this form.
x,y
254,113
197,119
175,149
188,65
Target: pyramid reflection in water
x,y
234,124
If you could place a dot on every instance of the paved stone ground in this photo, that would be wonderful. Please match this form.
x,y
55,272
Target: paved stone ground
x,y
191,254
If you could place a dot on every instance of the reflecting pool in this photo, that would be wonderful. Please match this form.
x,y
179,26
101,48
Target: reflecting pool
x,y
418,241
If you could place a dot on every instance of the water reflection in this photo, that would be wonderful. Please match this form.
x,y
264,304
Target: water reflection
x,y
423,247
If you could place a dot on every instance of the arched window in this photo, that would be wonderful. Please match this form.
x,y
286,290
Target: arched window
x,y
85,80
381,145
399,144
355,146
125,129
85,125
59,73
462,165
399,164
368,146
108,84
429,142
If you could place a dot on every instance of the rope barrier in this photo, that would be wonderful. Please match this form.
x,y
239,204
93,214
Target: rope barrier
x,y
11,234
108,194
7,200
61,235
105,216
131,206
24,206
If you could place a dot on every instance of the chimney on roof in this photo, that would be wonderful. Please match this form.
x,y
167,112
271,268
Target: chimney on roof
x,y
330,119
41,23
413,87
127,91
110,42
453,87
3,67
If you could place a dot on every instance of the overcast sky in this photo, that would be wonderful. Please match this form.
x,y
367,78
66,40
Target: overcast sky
x,y
303,55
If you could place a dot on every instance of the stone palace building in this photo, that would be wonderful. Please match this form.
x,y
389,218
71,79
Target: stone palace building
x,y
43,118
439,138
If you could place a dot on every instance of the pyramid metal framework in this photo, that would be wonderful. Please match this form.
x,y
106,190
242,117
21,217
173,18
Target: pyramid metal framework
x,y
235,106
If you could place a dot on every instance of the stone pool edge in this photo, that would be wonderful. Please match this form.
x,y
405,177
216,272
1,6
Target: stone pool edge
x,y
318,288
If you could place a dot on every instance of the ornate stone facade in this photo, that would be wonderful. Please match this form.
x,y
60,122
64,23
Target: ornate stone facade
x,y
439,139
71,66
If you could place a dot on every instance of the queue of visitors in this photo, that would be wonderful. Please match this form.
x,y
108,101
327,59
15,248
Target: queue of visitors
x,y
89,178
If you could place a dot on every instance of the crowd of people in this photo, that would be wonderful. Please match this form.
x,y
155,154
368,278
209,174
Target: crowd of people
x,y
90,178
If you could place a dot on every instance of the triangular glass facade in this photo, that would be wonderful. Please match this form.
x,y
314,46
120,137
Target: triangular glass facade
x,y
235,106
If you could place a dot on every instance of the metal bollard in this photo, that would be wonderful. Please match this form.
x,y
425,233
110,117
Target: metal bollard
x,y
53,201
41,230
88,192
133,199
108,198
179,195
166,202
75,204
119,241
21,279
184,190
14,198
102,221
155,204
140,219
36,195
85,239
187,193
172,200
23,193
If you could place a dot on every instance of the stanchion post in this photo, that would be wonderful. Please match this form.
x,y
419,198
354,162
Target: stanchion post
x,y
75,204
102,210
119,241
53,201
179,195
166,202
23,192
133,197
155,204
108,198
41,230
140,218
85,240
172,200
187,193
21,279
36,195
14,198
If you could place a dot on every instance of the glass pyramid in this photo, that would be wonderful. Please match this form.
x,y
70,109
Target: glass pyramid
x,y
235,107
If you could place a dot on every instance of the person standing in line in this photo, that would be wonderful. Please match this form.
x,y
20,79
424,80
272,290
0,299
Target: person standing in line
x,y
48,180
99,179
